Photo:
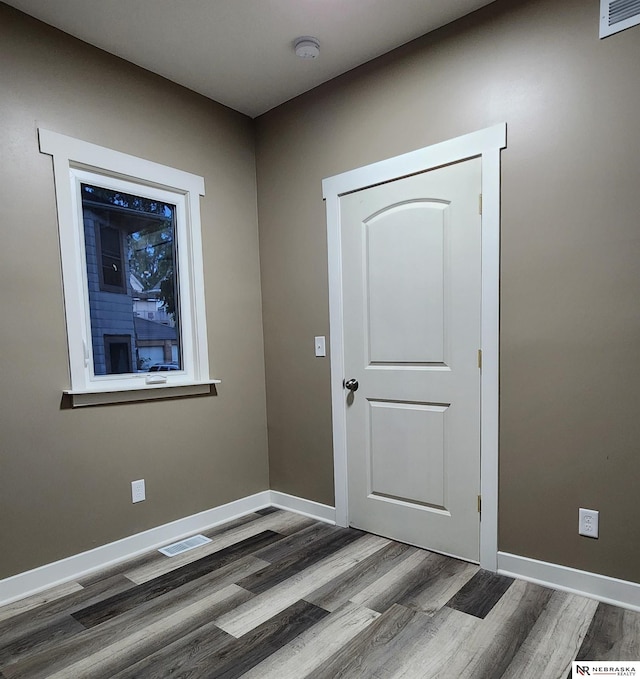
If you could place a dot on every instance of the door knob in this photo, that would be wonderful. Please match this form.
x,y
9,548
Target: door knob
x,y
352,385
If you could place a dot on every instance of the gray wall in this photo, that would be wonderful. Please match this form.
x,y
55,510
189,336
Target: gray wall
x,y
570,278
65,474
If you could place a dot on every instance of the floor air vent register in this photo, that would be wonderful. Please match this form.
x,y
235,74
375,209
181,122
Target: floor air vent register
x,y
184,545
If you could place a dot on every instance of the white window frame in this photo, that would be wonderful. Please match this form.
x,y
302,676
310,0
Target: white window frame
x,y
76,161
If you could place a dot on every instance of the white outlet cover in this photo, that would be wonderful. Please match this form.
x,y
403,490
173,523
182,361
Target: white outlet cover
x,y
321,349
137,491
588,520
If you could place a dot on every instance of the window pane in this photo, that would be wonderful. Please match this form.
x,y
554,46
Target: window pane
x,y
132,279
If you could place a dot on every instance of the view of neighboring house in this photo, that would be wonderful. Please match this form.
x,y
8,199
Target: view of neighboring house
x,y
155,342
132,327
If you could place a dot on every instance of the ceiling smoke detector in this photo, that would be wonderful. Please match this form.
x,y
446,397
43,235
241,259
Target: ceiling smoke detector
x,y
307,47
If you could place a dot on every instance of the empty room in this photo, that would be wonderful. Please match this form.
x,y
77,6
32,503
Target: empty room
x,y
340,310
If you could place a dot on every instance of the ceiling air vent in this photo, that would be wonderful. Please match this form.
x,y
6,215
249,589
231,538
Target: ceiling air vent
x,y
616,15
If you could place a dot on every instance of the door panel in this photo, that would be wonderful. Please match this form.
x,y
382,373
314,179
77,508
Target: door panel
x,y
406,303
411,303
407,452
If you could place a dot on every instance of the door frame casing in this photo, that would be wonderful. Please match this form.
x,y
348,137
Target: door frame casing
x,y
486,144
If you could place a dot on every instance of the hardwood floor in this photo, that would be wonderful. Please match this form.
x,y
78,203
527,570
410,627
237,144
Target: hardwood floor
x,y
277,595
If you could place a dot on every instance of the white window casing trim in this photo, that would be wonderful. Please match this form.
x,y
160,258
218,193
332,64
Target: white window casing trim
x,y
75,160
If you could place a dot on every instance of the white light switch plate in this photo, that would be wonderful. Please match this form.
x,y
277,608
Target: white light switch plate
x,y
321,349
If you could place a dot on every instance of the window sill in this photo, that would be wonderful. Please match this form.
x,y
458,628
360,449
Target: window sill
x,y
148,392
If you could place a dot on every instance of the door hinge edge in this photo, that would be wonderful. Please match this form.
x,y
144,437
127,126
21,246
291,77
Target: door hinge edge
x,y
480,204
479,504
480,359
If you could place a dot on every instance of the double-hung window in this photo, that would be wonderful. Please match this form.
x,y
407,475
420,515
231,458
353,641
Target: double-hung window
x,y
132,273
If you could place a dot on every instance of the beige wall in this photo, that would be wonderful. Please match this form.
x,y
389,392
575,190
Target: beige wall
x,y
570,328
65,474
570,272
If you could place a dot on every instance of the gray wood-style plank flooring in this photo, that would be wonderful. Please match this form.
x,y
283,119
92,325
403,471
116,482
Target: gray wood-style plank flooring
x,y
277,595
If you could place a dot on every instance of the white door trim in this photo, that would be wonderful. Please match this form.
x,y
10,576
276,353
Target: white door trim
x,y
486,144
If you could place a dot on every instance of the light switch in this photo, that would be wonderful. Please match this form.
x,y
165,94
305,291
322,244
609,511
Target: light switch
x,y
320,347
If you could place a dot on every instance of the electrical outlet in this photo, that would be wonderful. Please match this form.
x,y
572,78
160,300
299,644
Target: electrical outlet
x,y
137,491
588,522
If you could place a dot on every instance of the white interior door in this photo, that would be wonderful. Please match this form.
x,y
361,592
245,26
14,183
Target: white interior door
x,y
411,277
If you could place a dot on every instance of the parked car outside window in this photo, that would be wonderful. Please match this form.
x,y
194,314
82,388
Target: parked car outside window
x,y
163,367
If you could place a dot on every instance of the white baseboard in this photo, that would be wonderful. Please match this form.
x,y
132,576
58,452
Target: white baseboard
x,y
315,510
601,587
609,590
76,566
31,582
